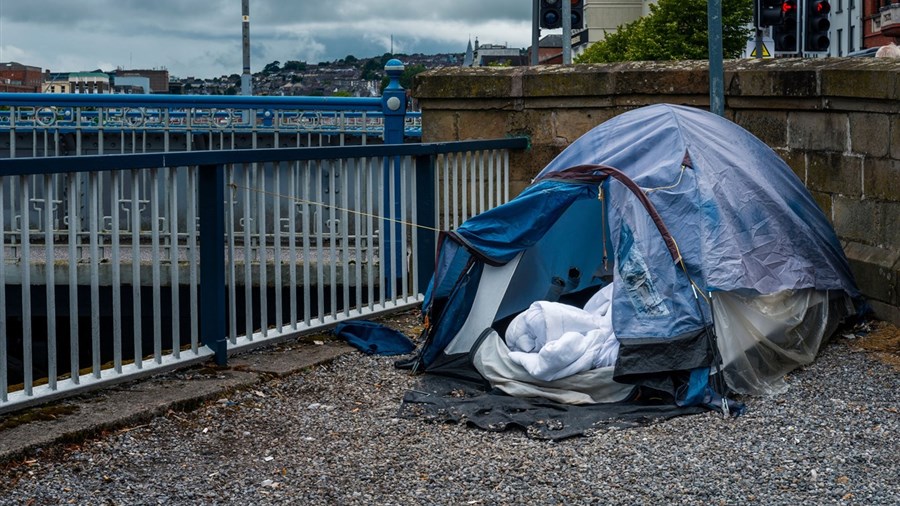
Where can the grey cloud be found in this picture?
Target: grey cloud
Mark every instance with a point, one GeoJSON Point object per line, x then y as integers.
{"type": "Point", "coordinates": [181, 34]}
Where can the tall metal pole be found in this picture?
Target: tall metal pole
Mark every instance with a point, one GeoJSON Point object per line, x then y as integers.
{"type": "Point", "coordinates": [535, 31]}
{"type": "Point", "coordinates": [245, 21]}
{"type": "Point", "coordinates": [757, 44]}
{"type": "Point", "coordinates": [567, 32]}
{"type": "Point", "coordinates": [716, 67]}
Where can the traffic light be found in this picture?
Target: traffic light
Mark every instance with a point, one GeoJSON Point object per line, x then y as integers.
{"type": "Point", "coordinates": [551, 14]}
{"type": "Point", "coordinates": [577, 14]}
{"type": "Point", "coordinates": [785, 34]}
{"type": "Point", "coordinates": [770, 13]}
{"type": "Point", "coordinates": [816, 26]}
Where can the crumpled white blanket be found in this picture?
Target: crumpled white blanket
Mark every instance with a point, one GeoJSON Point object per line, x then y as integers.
{"type": "Point", "coordinates": [551, 340]}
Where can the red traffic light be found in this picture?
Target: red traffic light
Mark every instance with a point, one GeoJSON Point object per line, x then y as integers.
{"type": "Point", "coordinates": [816, 26]}
{"type": "Point", "coordinates": [788, 7]}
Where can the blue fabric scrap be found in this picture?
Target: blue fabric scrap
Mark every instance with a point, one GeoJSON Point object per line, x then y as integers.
{"type": "Point", "coordinates": [374, 338]}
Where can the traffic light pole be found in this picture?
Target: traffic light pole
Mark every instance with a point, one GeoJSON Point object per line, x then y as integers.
{"type": "Point", "coordinates": [716, 67]}
{"type": "Point", "coordinates": [757, 44]}
{"type": "Point", "coordinates": [535, 31]}
{"type": "Point", "coordinates": [567, 32]}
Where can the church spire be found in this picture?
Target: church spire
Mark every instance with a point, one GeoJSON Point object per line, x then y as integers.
{"type": "Point", "coordinates": [469, 59]}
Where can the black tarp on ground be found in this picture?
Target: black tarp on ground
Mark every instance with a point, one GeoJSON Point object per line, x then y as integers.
{"type": "Point", "coordinates": [440, 399]}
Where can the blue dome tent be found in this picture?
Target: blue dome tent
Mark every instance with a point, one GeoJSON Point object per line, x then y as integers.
{"type": "Point", "coordinates": [716, 267]}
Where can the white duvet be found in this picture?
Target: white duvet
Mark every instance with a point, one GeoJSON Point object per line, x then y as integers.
{"type": "Point", "coordinates": [551, 340]}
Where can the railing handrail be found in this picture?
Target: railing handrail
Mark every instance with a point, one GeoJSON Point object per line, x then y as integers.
{"type": "Point", "coordinates": [186, 101]}
{"type": "Point", "coordinates": [71, 164]}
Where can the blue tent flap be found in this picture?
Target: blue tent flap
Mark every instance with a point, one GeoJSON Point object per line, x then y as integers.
{"type": "Point", "coordinates": [499, 234]}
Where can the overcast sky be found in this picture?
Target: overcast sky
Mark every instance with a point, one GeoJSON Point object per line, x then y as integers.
{"type": "Point", "coordinates": [202, 38]}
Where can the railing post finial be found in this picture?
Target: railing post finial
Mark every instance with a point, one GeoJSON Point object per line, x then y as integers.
{"type": "Point", "coordinates": [394, 69]}
{"type": "Point", "coordinates": [393, 101]}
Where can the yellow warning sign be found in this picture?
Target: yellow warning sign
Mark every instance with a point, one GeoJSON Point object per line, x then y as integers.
{"type": "Point", "coordinates": [765, 52]}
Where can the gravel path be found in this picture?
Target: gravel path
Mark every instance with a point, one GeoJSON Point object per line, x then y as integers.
{"type": "Point", "coordinates": [330, 436]}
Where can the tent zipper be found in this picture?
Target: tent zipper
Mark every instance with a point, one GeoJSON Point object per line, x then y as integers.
{"type": "Point", "coordinates": [603, 226]}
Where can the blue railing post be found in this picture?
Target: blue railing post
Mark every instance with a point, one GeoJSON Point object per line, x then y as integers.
{"type": "Point", "coordinates": [425, 211]}
{"type": "Point", "coordinates": [211, 204]}
{"type": "Point", "coordinates": [393, 101]}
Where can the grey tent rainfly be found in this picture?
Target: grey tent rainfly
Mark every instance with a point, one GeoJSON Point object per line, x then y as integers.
{"type": "Point", "coordinates": [667, 255]}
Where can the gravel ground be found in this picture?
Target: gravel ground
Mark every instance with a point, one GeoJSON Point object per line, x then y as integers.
{"type": "Point", "coordinates": [331, 436]}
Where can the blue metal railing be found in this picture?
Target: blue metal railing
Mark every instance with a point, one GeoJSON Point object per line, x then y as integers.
{"type": "Point", "coordinates": [26, 112]}
{"type": "Point", "coordinates": [38, 124]}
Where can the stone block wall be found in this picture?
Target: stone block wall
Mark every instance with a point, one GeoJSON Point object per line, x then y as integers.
{"type": "Point", "coordinates": [835, 121]}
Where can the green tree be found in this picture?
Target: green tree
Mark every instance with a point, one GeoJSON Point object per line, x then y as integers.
{"type": "Point", "coordinates": [272, 67]}
{"type": "Point", "coordinates": [371, 70]}
{"type": "Point", "coordinates": [294, 65]}
{"type": "Point", "coordinates": [406, 79]}
{"type": "Point", "coordinates": [674, 30]}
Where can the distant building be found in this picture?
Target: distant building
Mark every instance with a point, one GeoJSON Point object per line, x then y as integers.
{"type": "Point", "coordinates": [550, 47]}
{"type": "Point", "coordinates": [495, 54]}
{"type": "Point", "coordinates": [291, 89]}
{"type": "Point", "coordinates": [159, 78]}
{"type": "Point", "coordinates": [881, 22]}
{"type": "Point", "coordinates": [55, 82]}
{"type": "Point", "coordinates": [131, 84]}
{"type": "Point", "coordinates": [18, 78]}
{"type": "Point", "coordinates": [846, 31]}
{"type": "Point", "coordinates": [469, 58]}
{"type": "Point", "coordinates": [603, 17]}
{"type": "Point", "coordinates": [89, 82]}
{"type": "Point", "coordinates": [56, 87]}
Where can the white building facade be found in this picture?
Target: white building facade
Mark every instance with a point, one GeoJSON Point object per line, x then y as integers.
{"type": "Point", "coordinates": [846, 27]}
{"type": "Point", "coordinates": [602, 17]}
